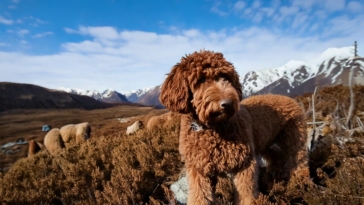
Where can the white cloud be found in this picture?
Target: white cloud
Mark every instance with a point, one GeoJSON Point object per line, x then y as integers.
{"type": "Point", "coordinates": [334, 5]}
{"type": "Point", "coordinates": [275, 3]}
{"type": "Point", "coordinates": [314, 27]}
{"type": "Point", "coordinates": [268, 11]}
{"type": "Point", "coordinates": [239, 5]}
{"type": "Point", "coordinates": [22, 32]}
{"type": "Point", "coordinates": [16, 1]}
{"type": "Point", "coordinates": [40, 35]}
{"type": "Point", "coordinates": [191, 33]}
{"type": "Point", "coordinates": [216, 9]}
{"type": "Point", "coordinates": [34, 21]}
{"type": "Point", "coordinates": [299, 20]}
{"type": "Point", "coordinates": [6, 21]}
{"type": "Point", "coordinates": [104, 32]}
{"type": "Point", "coordinates": [38, 21]}
{"type": "Point", "coordinates": [248, 11]}
{"type": "Point", "coordinates": [136, 59]}
{"type": "Point", "coordinates": [344, 25]}
{"type": "Point", "coordinates": [304, 4]}
{"type": "Point", "coordinates": [320, 14]}
{"type": "Point", "coordinates": [258, 17]}
{"type": "Point", "coordinates": [256, 4]}
{"type": "Point", "coordinates": [355, 6]}
{"type": "Point", "coordinates": [286, 11]}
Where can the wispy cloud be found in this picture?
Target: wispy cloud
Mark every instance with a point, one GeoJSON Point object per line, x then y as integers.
{"type": "Point", "coordinates": [355, 6]}
{"type": "Point", "coordinates": [344, 25]}
{"type": "Point", "coordinates": [304, 4]}
{"type": "Point", "coordinates": [267, 34]}
{"type": "Point", "coordinates": [19, 32]}
{"type": "Point", "coordinates": [104, 32]}
{"type": "Point", "coordinates": [40, 35]}
{"type": "Point", "coordinates": [334, 5]}
{"type": "Point", "coordinates": [115, 58]}
{"type": "Point", "coordinates": [22, 32]}
{"type": "Point", "coordinates": [239, 5]}
{"type": "Point", "coordinates": [6, 21]}
{"type": "Point", "coordinates": [216, 8]}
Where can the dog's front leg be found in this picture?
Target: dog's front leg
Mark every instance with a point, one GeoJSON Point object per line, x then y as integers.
{"type": "Point", "coordinates": [199, 188]}
{"type": "Point", "coordinates": [246, 184]}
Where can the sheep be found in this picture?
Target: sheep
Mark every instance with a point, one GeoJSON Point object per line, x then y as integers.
{"type": "Point", "coordinates": [53, 142]}
{"type": "Point", "coordinates": [161, 120]}
{"type": "Point", "coordinates": [34, 147]}
{"type": "Point", "coordinates": [78, 132]}
{"type": "Point", "coordinates": [137, 125]}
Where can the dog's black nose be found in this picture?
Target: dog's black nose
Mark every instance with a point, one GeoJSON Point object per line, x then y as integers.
{"type": "Point", "coordinates": [225, 103]}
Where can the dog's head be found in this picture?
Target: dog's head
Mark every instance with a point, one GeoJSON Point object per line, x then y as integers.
{"type": "Point", "coordinates": [204, 84]}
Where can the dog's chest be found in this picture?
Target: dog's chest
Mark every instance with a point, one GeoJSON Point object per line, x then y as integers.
{"type": "Point", "coordinates": [211, 151]}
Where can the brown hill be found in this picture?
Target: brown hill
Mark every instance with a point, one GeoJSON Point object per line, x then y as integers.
{"type": "Point", "coordinates": [27, 96]}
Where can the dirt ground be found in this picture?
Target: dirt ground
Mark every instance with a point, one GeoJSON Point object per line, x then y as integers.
{"type": "Point", "coordinates": [27, 125]}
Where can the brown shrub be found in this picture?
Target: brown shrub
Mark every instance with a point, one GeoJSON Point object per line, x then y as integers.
{"type": "Point", "coordinates": [139, 169]}
{"type": "Point", "coordinates": [104, 170]}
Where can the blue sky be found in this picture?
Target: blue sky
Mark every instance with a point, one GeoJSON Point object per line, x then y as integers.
{"type": "Point", "coordinates": [127, 45]}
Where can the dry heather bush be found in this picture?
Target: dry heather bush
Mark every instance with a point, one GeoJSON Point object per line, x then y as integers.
{"type": "Point", "coordinates": [139, 170]}
{"type": "Point", "coordinates": [329, 97]}
{"type": "Point", "coordinates": [104, 170]}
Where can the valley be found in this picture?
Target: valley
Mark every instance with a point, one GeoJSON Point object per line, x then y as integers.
{"type": "Point", "coordinates": [27, 124]}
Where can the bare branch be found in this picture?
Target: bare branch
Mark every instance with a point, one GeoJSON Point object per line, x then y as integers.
{"type": "Point", "coordinates": [352, 104]}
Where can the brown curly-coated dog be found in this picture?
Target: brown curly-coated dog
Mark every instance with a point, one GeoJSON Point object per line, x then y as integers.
{"type": "Point", "coordinates": [221, 134]}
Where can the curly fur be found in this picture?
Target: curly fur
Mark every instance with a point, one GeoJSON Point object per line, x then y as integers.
{"type": "Point", "coordinates": [78, 132]}
{"type": "Point", "coordinates": [137, 125]}
{"type": "Point", "coordinates": [161, 120]}
{"type": "Point", "coordinates": [53, 142]}
{"type": "Point", "coordinates": [221, 134]}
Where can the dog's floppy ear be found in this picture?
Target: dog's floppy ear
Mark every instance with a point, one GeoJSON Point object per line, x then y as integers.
{"type": "Point", "coordinates": [175, 93]}
{"type": "Point", "coordinates": [237, 85]}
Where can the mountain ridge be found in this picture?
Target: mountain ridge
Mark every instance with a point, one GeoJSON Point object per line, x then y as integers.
{"type": "Point", "coordinates": [28, 96]}
{"type": "Point", "coordinates": [332, 67]}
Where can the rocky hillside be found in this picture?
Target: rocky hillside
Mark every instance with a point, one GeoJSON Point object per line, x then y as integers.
{"type": "Point", "coordinates": [333, 67]}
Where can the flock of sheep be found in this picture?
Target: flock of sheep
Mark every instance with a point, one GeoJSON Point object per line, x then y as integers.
{"type": "Point", "coordinates": [58, 138]}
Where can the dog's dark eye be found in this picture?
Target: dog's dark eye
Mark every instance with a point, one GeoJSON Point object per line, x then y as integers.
{"type": "Point", "coordinates": [223, 78]}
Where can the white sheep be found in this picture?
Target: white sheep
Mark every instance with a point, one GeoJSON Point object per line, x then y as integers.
{"type": "Point", "coordinates": [79, 132]}
{"type": "Point", "coordinates": [137, 125]}
{"type": "Point", "coordinates": [53, 142]}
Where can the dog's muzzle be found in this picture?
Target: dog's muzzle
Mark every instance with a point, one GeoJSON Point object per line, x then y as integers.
{"type": "Point", "coordinates": [226, 103]}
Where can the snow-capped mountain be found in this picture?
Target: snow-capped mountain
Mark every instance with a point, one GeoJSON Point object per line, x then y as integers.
{"type": "Point", "coordinates": [135, 95]}
{"type": "Point", "coordinates": [145, 96]}
{"type": "Point", "coordinates": [91, 93]}
{"type": "Point", "coordinates": [329, 64]}
{"type": "Point", "coordinates": [109, 95]}
{"type": "Point", "coordinates": [332, 67]}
